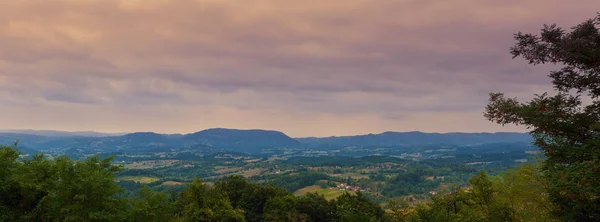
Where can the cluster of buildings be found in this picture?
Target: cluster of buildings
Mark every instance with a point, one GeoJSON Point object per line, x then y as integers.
{"type": "Point", "coordinates": [344, 186]}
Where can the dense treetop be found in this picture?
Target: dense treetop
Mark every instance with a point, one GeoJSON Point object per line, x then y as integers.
{"type": "Point", "coordinates": [566, 125]}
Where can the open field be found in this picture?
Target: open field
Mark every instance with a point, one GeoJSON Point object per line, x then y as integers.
{"type": "Point", "coordinates": [329, 193]}
{"type": "Point", "coordinates": [306, 190]}
{"type": "Point", "coordinates": [273, 158]}
{"type": "Point", "coordinates": [171, 183]}
{"type": "Point", "coordinates": [149, 164]}
{"type": "Point", "coordinates": [353, 175]}
{"type": "Point", "coordinates": [252, 172]}
{"type": "Point", "coordinates": [253, 160]}
{"type": "Point", "coordinates": [139, 179]}
{"type": "Point", "coordinates": [227, 170]}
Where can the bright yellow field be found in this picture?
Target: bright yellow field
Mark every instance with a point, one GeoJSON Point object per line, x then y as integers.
{"type": "Point", "coordinates": [306, 190]}
{"type": "Point", "coordinates": [139, 179]}
{"type": "Point", "coordinates": [171, 183]}
{"type": "Point", "coordinates": [329, 193]}
{"type": "Point", "coordinates": [252, 172]}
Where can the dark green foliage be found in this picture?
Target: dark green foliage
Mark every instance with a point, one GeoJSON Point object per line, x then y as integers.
{"type": "Point", "coordinates": [58, 190]}
{"type": "Point", "coordinates": [565, 126]}
{"type": "Point", "coordinates": [271, 203]}
{"type": "Point", "coordinates": [246, 196]}
{"type": "Point", "coordinates": [82, 191]}
{"type": "Point", "coordinates": [236, 188]}
{"type": "Point", "coordinates": [199, 203]}
{"type": "Point", "coordinates": [297, 181]}
{"type": "Point", "coordinates": [260, 203]}
{"type": "Point", "coordinates": [410, 182]}
{"type": "Point", "coordinates": [358, 208]}
{"type": "Point", "coordinates": [151, 206]}
{"type": "Point", "coordinates": [317, 208]}
{"type": "Point", "coordinates": [283, 208]}
{"type": "Point", "coordinates": [256, 200]}
{"type": "Point", "coordinates": [11, 207]}
{"type": "Point", "coordinates": [477, 204]}
{"type": "Point", "coordinates": [38, 189]}
{"type": "Point", "coordinates": [516, 195]}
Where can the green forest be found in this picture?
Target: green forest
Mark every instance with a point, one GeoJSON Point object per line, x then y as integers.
{"type": "Point", "coordinates": [562, 186]}
{"type": "Point", "coordinates": [63, 189]}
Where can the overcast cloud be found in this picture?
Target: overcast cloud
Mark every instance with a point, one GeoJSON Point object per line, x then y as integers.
{"type": "Point", "coordinates": [307, 68]}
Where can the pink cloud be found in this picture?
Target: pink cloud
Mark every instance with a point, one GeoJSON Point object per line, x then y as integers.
{"type": "Point", "coordinates": [381, 64]}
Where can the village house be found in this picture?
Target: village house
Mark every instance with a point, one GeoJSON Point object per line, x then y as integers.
{"type": "Point", "coordinates": [348, 187]}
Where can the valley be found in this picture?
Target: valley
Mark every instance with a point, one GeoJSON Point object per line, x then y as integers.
{"type": "Point", "coordinates": [384, 166]}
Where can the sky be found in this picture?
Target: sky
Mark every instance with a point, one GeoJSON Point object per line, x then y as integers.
{"type": "Point", "coordinates": [307, 68]}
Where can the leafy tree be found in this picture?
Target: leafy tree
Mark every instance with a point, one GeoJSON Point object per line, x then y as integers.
{"type": "Point", "coordinates": [58, 190]}
{"type": "Point", "coordinates": [358, 208]}
{"type": "Point", "coordinates": [283, 208]}
{"type": "Point", "coordinates": [39, 189]}
{"type": "Point", "coordinates": [248, 197]}
{"type": "Point", "coordinates": [235, 187]}
{"type": "Point", "coordinates": [484, 200]}
{"type": "Point", "coordinates": [36, 179]}
{"type": "Point", "coordinates": [296, 181]}
{"type": "Point", "coordinates": [478, 203]}
{"type": "Point", "coordinates": [566, 126]}
{"type": "Point", "coordinates": [317, 208]}
{"type": "Point", "coordinates": [454, 206]}
{"type": "Point", "coordinates": [255, 200]}
{"type": "Point", "coordinates": [10, 201]}
{"type": "Point", "coordinates": [524, 190]}
{"type": "Point", "coordinates": [82, 191]}
{"type": "Point", "coordinates": [401, 211]}
{"type": "Point", "coordinates": [198, 203]}
{"type": "Point", "coordinates": [151, 206]}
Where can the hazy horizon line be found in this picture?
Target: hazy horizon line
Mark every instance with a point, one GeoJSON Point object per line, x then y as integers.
{"type": "Point", "coordinates": [184, 133]}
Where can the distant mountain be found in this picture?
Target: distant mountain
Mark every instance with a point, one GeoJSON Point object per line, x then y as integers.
{"type": "Point", "coordinates": [225, 139]}
{"type": "Point", "coordinates": [248, 141]}
{"type": "Point", "coordinates": [26, 140]}
{"type": "Point", "coordinates": [54, 133]}
{"type": "Point", "coordinates": [143, 137]}
{"type": "Point", "coordinates": [241, 140]}
{"type": "Point", "coordinates": [417, 138]}
{"type": "Point", "coordinates": [27, 150]}
{"type": "Point", "coordinates": [134, 142]}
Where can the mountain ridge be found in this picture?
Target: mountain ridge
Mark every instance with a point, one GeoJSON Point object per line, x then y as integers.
{"type": "Point", "coordinates": [251, 140]}
{"type": "Point", "coordinates": [227, 139]}
{"type": "Point", "coordinates": [56, 133]}
{"type": "Point", "coordinates": [59, 133]}
{"type": "Point", "coordinates": [390, 138]}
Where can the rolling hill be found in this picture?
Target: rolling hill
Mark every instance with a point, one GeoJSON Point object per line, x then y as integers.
{"type": "Point", "coordinates": [249, 141]}
{"type": "Point", "coordinates": [417, 138]}
{"type": "Point", "coordinates": [227, 139]}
